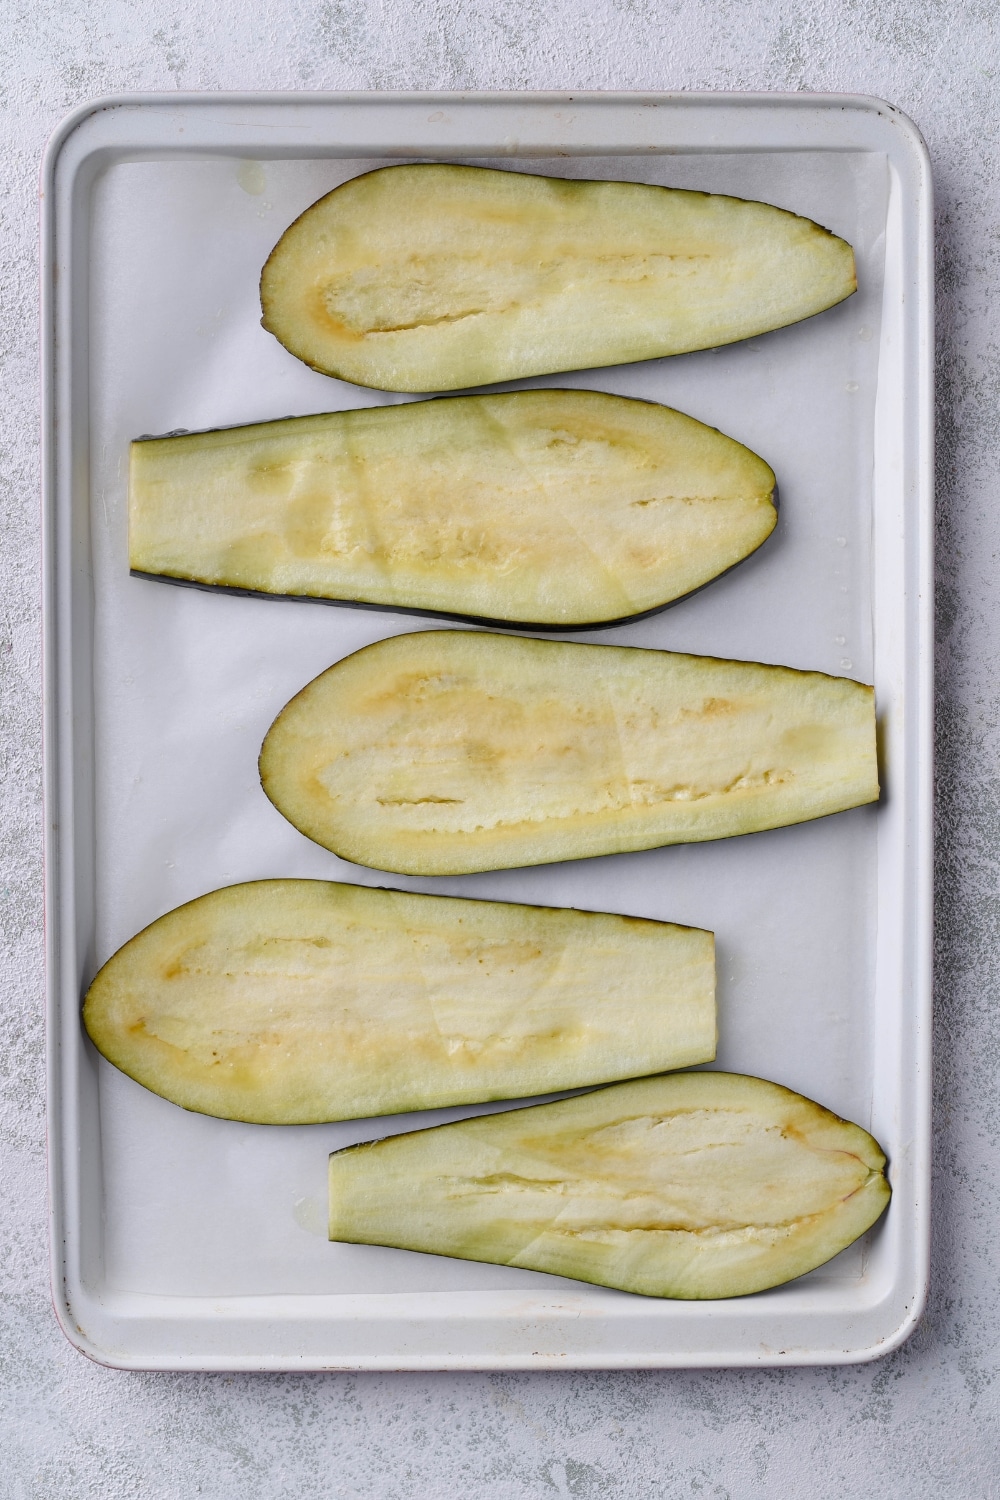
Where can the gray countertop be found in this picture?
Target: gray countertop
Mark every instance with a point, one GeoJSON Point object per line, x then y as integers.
{"type": "Point", "coordinates": [923, 1421]}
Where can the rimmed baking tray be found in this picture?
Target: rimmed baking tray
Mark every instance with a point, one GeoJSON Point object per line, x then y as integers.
{"type": "Point", "coordinates": [186, 1242]}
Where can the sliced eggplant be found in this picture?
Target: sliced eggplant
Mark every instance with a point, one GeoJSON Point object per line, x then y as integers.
{"type": "Point", "coordinates": [296, 1001]}
{"type": "Point", "coordinates": [446, 752]}
{"type": "Point", "coordinates": [696, 1185]}
{"type": "Point", "coordinates": [554, 508]}
{"type": "Point", "coordinates": [434, 277]}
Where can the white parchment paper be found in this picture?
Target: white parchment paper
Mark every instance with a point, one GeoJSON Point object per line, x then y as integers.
{"type": "Point", "coordinates": [187, 683]}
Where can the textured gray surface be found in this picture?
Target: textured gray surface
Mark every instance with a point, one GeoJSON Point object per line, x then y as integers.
{"type": "Point", "coordinates": [923, 1422]}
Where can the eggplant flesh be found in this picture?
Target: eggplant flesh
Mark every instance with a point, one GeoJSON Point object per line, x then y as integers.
{"type": "Point", "coordinates": [554, 508]}
{"type": "Point", "coordinates": [299, 1001]}
{"type": "Point", "coordinates": [435, 277]}
{"type": "Point", "coordinates": [448, 752]}
{"type": "Point", "coordinates": [696, 1185]}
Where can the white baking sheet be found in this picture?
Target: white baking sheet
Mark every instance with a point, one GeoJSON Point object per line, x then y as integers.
{"type": "Point", "coordinates": [185, 683]}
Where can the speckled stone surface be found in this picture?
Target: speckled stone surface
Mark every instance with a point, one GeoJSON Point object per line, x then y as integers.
{"type": "Point", "coordinates": [924, 1421]}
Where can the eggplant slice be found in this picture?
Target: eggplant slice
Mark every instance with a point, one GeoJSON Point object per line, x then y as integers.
{"type": "Point", "coordinates": [552, 508]}
{"type": "Point", "coordinates": [436, 277]}
{"type": "Point", "coordinates": [696, 1185]}
{"type": "Point", "coordinates": [447, 752]}
{"type": "Point", "coordinates": [297, 1001]}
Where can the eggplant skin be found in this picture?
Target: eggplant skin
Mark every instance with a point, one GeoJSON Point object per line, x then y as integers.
{"type": "Point", "coordinates": [449, 752]}
{"type": "Point", "coordinates": [288, 1002]}
{"type": "Point", "coordinates": [696, 1185]}
{"type": "Point", "coordinates": [554, 508]}
{"type": "Point", "coordinates": [437, 277]}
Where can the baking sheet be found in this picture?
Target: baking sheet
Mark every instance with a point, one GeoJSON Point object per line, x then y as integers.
{"type": "Point", "coordinates": [185, 683]}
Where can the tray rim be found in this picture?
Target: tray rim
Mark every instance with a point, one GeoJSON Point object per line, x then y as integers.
{"type": "Point", "coordinates": [72, 1302]}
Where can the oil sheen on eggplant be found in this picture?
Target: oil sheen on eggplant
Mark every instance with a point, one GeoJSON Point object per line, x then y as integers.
{"type": "Point", "coordinates": [695, 1185]}
{"type": "Point", "coordinates": [298, 1001]}
{"type": "Point", "coordinates": [437, 277]}
{"type": "Point", "coordinates": [447, 752]}
{"type": "Point", "coordinates": [553, 508]}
